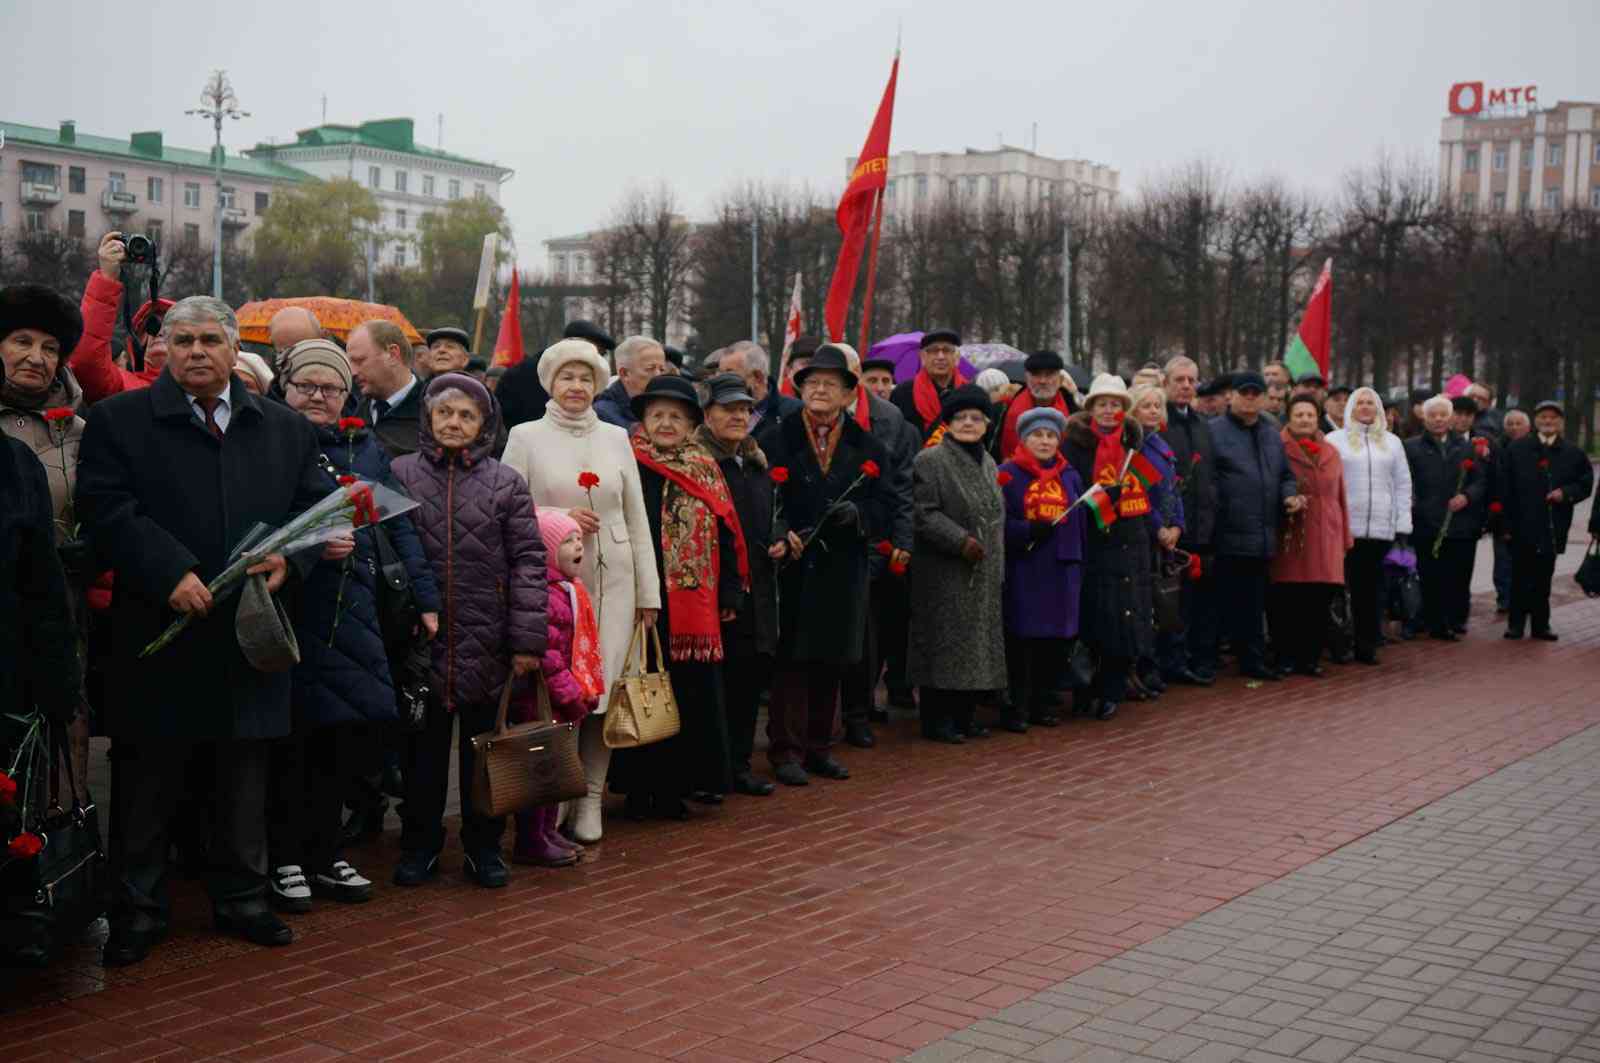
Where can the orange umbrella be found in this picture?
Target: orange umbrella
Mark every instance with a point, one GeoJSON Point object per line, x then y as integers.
{"type": "Point", "coordinates": [338, 316]}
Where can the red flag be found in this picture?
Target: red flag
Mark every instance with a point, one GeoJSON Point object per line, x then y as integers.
{"type": "Point", "coordinates": [508, 344]}
{"type": "Point", "coordinates": [855, 208]}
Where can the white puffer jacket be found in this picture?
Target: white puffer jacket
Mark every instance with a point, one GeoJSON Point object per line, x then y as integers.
{"type": "Point", "coordinates": [1377, 478]}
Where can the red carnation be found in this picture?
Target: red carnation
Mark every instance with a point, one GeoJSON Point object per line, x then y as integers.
{"type": "Point", "coordinates": [1481, 445]}
{"type": "Point", "coordinates": [351, 424]}
{"type": "Point", "coordinates": [1309, 446]}
{"type": "Point", "coordinates": [346, 480]}
{"type": "Point", "coordinates": [870, 470]}
{"type": "Point", "coordinates": [25, 846]}
{"type": "Point", "coordinates": [1544, 463]}
{"type": "Point", "coordinates": [1466, 464]}
{"type": "Point", "coordinates": [885, 547]}
{"type": "Point", "coordinates": [1495, 507]}
{"type": "Point", "coordinates": [1195, 457]}
{"type": "Point", "coordinates": [1002, 478]}
{"type": "Point", "coordinates": [8, 787]}
{"type": "Point", "coordinates": [897, 568]}
{"type": "Point", "coordinates": [779, 474]}
{"type": "Point", "coordinates": [587, 480]}
{"type": "Point", "coordinates": [1195, 571]}
{"type": "Point", "coordinates": [59, 413]}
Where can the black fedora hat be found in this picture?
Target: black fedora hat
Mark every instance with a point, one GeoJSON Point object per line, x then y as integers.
{"type": "Point", "coordinates": [667, 386]}
{"type": "Point", "coordinates": [832, 359]}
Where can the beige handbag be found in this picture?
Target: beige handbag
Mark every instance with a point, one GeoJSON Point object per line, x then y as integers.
{"type": "Point", "coordinates": [642, 709]}
{"type": "Point", "coordinates": [527, 764]}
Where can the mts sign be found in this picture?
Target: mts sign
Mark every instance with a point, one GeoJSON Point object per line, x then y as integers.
{"type": "Point", "coordinates": [1468, 97]}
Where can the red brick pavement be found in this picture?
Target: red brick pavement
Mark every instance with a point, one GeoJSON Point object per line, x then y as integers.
{"type": "Point", "coordinates": [847, 921]}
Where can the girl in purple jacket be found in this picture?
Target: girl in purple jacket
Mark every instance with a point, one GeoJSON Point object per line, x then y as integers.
{"type": "Point", "coordinates": [572, 674]}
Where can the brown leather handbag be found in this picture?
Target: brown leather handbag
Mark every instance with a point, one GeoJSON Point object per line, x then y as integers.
{"type": "Point", "coordinates": [642, 708]}
{"type": "Point", "coordinates": [528, 764]}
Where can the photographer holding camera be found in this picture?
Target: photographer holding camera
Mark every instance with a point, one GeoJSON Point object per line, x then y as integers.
{"type": "Point", "coordinates": [92, 361]}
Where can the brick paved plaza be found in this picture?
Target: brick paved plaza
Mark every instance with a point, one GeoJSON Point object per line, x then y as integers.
{"type": "Point", "coordinates": [1386, 865]}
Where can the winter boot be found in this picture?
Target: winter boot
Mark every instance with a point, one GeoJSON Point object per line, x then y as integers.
{"type": "Point", "coordinates": [596, 755]}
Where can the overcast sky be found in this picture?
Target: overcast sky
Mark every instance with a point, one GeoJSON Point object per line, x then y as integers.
{"type": "Point", "coordinates": [584, 98]}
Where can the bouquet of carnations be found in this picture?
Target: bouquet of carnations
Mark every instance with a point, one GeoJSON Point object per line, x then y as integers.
{"type": "Point", "coordinates": [353, 505]}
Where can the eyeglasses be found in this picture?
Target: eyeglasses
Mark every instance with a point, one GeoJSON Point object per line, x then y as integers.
{"type": "Point", "coordinates": [326, 391]}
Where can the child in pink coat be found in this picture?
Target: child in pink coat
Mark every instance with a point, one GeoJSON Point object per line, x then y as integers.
{"type": "Point", "coordinates": [572, 673]}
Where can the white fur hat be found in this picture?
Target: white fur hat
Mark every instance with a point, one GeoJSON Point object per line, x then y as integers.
{"type": "Point", "coordinates": [562, 352]}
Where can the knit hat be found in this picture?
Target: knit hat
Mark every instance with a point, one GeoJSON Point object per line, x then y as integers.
{"type": "Point", "coordinates": [321, 352]}
{"type": "Point", "coordinates": [1041, 417]}
{"type": "Point", "coordinates": [554, 527]}
{"type": "Point", "coordinates": [565, 352]}
{"type": "Point", "coordinates": [965, 397]}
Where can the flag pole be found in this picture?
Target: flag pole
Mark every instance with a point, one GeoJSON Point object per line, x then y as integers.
{"type": "Point", "coordinates": [872, 272]}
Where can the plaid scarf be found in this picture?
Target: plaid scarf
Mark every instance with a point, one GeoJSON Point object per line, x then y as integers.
{"type": "Point", "coordinates": [694, 499]}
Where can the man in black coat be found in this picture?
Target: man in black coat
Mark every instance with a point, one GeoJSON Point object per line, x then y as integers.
{"type": "Point", "coordinates": [391, 394]}
{"type": "Point", "coordinates": [1448, 492]}
{"type": "Point", "coordinates": [170, 477]}
{"type": "Point", "coordinates": [1254, 486]}
{"type": "Point", "coordinates": [1190, 655]}
{"type": "Point", "coordinates": [1542, 477]}
{"type": "Point", "coordinates": [824, 588]}
{"type": "Point", "coordinates": [900, 440]}
{"type": "Point", "coordinates": [919, 398]}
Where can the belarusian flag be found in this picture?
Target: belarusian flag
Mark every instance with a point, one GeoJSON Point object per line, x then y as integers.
{"type": "Point", "coordinates": [1101, 508]}
{"type": "Point", "coordinates": [1144, 470]}
{"type": "Point", "coordinates": [1309, 351]}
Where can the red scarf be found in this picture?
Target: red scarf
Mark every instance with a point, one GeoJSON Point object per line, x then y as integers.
{"type": "Point", "coordinates": [1009, 440]}
{"type": "Point", "coordinates": [587, 667]}
{"type": "Point", "coordinates": [1109, 455]}
{"type": "Point", "coordinates": [689, 549]}
{"type": "Point", "coordinates": [925, 395]}
{"type": "Point", "coordinates": [1044, 498]}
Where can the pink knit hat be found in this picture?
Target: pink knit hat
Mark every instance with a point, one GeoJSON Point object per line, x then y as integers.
{"type": "Point", "coordinates": [554, 527]}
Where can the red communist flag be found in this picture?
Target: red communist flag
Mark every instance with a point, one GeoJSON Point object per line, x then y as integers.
{"type": "Point", "coordinates": [508, 344]}
{"type": "Point", "coordinates": [855, 208]}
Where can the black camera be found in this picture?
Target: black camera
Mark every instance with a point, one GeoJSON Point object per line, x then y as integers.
{"type": "Point", "coordinates": [142, 250]}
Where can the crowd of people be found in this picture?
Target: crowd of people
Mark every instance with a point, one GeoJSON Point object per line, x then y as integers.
{"type": "Point", "coordinates": [990, 553]}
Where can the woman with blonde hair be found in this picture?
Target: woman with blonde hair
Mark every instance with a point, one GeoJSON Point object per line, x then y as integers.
{"type": "Point", "coordinates": [1377, 484]}
{"type": "Point", "coordinates": [575, 462]}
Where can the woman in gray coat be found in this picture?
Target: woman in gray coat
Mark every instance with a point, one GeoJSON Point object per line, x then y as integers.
{"type": "Point", "coordinates": [957, 635]}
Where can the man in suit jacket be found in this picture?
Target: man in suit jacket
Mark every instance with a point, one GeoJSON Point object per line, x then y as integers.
{"type": "Point", "coordinates": [170, 477]}
{"type": "Point", "coordinates": [391, 395]}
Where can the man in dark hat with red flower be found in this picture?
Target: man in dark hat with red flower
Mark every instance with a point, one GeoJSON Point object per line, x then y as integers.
{"type": "Point", "coordinates": [1542, 477]}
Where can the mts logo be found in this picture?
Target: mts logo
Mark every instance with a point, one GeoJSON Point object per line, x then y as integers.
{"type": "Point", "coordinates": [1468, 97]}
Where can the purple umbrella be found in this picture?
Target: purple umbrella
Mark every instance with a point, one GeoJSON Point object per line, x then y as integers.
{"type": "Point", "coordinates": [905, 349]}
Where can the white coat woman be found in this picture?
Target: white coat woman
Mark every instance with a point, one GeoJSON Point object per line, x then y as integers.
{"type": "Point", "coordinates": [1377, 486]}
{"type": "Point", "coordinates": [553, 454]}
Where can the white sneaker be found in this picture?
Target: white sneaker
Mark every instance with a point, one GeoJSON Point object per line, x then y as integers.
{"type": "Point", "coordinates": [290, 891]}
{"type": "Point", "coordinates": [343, 883]}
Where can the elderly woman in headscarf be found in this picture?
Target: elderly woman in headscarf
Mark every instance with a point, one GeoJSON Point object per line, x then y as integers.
{"type": "Point", "coordinates": [1116, 608]}
{"type": "Point", "coordinates": [957, 649]}
{"type": "Point", "coordinates": [701, 556]}
{"type": "Point", "coordinates": [1377, 484]}
{"type": "Point", "coordinates": [481, 534]}
{"type": "Point", "coordinates": [575, 462]}
{"type": "Point", "coordinates": [343, 681]}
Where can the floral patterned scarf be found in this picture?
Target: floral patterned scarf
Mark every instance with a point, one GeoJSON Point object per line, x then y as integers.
{"type": "Point", "coordinates": [694, 499]}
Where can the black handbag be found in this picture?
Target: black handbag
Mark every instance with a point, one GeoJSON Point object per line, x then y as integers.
{"type": "Point", "coordinates": [1407, 597]}
{"type": "Point", "coordinates": [1166, 593]}
{"type": "Point", "coordinates": [398, 615]}
{"type": "Point", "coordinates": [1079, 665]}
{"type": "Point", "coordinates": [48, 899]}
{"type": "Point", "coordinates": [1588, 574]}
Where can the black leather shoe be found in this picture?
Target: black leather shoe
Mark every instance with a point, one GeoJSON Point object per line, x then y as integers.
{"type": "Point", "coordinates": [859, 735]}
{"type": "Point", "coordinates": [1105, 709]}
{"type": "Point", "coordinates": [1270, 675]}
{"type": "Point", "coordinates": [947, 734]}
{"type": "Point", "coordinates": [130, 943]}
{"type": "Point", "coordinates": [975, 730]}
{"type": "Point", "coordinates": [792, 774]}
{"type": "Point", "coordinates": [1045, 719]}
{"type": "Point", "coordinates": [1512, 633]}
{"type": "Point", "coordinates": [706, 797]}
{"type": "Point", "coordinates": [827, 767]}
{"type": "Point", "coordinates": [750, 786]}
{"type": "Point", "coordinates": [1155, 684]}
{"type": "Point", "coordinates": [1189, 677]}
{"type": "Point", "coordinates": [488, 869]}
{"type": "Point", "coordinates": [365, 823]}
{"type": "Point", "coordinates": [1015, 724]}
{"type": "Point", "coordinates": [259, 927]}
{"type": "Point", "coordinates": [1546, 635]}
{"type": "Point", "coordinates": [415, 868]}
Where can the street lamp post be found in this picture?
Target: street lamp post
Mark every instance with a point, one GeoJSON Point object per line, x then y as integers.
{"type": "Point", "coordinates": [217, 102]}
{"type": "Point", "coordinates": [1066, 267]}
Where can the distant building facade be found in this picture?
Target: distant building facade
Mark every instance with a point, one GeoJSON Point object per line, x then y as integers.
{"type": "Point", "coordinates": [409, 180]}
{"type": "Point", "coordinates": [919, 180]}
{"type": "Point", "coordinates": [575, 262]}
{"type": "Point", "coordinates": [1500, 159]}
{"type": "Point", "coordinates": [84, 186]}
